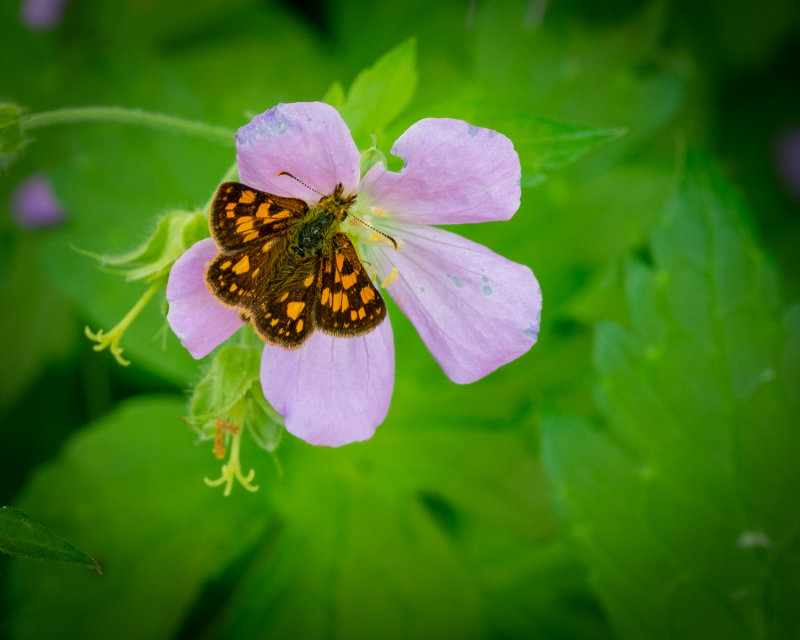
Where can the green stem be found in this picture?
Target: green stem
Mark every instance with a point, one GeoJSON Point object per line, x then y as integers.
{"type": "Point", "coordinates": [123, 115]}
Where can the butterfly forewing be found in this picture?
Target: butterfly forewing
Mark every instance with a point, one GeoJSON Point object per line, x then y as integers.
{"type": "Point", "coordinates": [349, 304]}
{"type": "Point", "coordinates": [242, 216]}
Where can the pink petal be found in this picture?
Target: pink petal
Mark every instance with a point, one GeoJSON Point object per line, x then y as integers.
{"type": "Point", "coordinates": [454, 172]}
{"type": "Point", "coordinates": [474, 309]}
{"type": "Point", "coordinates": [309, 140]}
{"type": "Point", "coordinates": [197, 318]}
{"type": "Point", "coordinates": [332, 391]}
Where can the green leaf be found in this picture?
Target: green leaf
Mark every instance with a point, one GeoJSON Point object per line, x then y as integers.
{"type": "Point", "coordinates": [682, 507]}
{"type": "Point", "coordinates": [11, 138]}
{"type": "Point", "coordinates": [544, 145]}
{"type": "Point", "coordinates": [379, 94]}
{"type": "Point", "coordinates": [22, 537]}
{"type": "Point", "coordinates": [175, 232]}
{"type": "Point", "coordinates": [130, 486]}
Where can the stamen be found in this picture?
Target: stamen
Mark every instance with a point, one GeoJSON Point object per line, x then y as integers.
{"type": "Point", "coordinates": [390, 278]}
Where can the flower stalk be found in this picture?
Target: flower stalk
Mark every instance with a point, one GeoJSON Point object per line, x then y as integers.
{"type": "Point", "coordinates": [111, 339]}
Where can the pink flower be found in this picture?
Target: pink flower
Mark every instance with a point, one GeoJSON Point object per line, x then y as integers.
{"type": "Point", "coordinates": [42, 15]}
{"type": "Point", "coordinates": [474, 309]}
{"type": "Point", "coordinates": [34, 205]}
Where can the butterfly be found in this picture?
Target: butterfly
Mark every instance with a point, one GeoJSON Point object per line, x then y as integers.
{"type": "Point", "coordinates": [288, 268]}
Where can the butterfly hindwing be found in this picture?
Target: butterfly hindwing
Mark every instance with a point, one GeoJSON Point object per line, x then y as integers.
{"type": "Point", "coordinates": [349, 304]}
{"type": "Point", "coordinates": [242, 216]}
{"type": "Point", "coordinates": [238, 279]}
{"type": "Point", "coordinates": [284, 314]}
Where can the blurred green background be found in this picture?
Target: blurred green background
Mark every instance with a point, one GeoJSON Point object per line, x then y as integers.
{"type": "Point", "coordinates": [633, 476]}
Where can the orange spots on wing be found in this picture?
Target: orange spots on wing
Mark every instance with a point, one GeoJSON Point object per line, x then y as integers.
{"type": "Point", "coordinates": [265, 247]}
{"type": "Point", "coordinates": [337, 301]}
{"type": "Point", "coordinates": [273, 322]}
{"type": "Point", "coordinates": [325, 295]}
{"type": "Point", "coordinates": [247, 197]}
{"type": "Point", "coordinates": [243, 266]}
{"type": "Point", "coordinates": [299, 326]}
{"type": "Point", "coordinates": [250, 236]}
{"type": "Point", "coordinates": [367, 294]}
{"type": "Point", "coordinates": [308, 281]}
{"type": "Point", "coordinates": [226, 265]}
{"type": "Point", "coordinates": [233, 288]}
{"type": "Point", "coordinates": [263, 210]}
{"type": "Point", "coordinates": [282, 214]}
{"type": "Point", "coordinates": [293, 309]}
{"type": "Point", "coordinates": [345, 303]}
{"type": "Point", "coordinates": [349, 280]}
{"type": "Point", "coordinates": [362, 313]}
{"type": "Point", "coordinates": [353, 315]}
{"type": "Point", "coordinates": [284, 296]}
{"type": "Point", "coordinates": [339, 261]}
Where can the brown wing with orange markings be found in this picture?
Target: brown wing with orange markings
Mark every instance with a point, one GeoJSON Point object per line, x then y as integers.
{"type": "Point", "coordinates": [348, 304]}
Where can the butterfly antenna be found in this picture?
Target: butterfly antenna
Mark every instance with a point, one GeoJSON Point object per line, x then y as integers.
{"type": "Point", "coordinates": [286, 173]}
{"type": "Point", "coordinates": [366, 224]}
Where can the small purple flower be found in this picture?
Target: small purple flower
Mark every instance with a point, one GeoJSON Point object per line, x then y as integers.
{"type": "Point", "coordinates": [34, 204]}
{"type": "Point", "coordinates": [474, 309]}
{"type": "Point", "coordinates": [41, 15]}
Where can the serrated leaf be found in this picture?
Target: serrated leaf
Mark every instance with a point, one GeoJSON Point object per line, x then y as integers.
{"type": "Point", "coordinates": [677, 508]}
{"type": "Point", "coordinates": [379, 94]}
{"type": "Point", "coordinates": [544, 145]}
{"type": "Point", "coordinates": [22, 537]}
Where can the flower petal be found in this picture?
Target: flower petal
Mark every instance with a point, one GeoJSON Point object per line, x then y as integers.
{"type": "Point", "coordinates": [309, 140]}
{"type": "Point", "coordinates": [474, 309]}
{"type": "Point", "coordinates": [332, 391]}
{"type": "Point", "coordinates": [195, 315]}
{"type": "Point", "coordinates": [454, 172]}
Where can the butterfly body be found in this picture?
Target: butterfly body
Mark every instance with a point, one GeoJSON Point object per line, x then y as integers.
{"type": "Point", "coordinates": [288, 268]}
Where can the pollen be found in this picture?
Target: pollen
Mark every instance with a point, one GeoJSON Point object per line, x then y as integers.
{"type": "Point", "coordinates": [390, 278]}
{"type": "Point", "coordinates": [294, 309]}
{"type": "Point", "coordinates": [377, 211]}
{"type": "Point", "coordinates": [243, 266]}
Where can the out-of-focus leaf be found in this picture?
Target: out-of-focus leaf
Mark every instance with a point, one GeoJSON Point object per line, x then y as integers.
{"type": "Point", "coordinates": [682, 508]}
{"type": "Point", "coordinates": [22, 537]}
{"type": "Point", "coordinates": [37, 325]}
{"type": "Point", "coordinates": [380, 93]}
{"type": "Point", "coordinates": [175, 232]}
{"type": "Point", "coordinates": [544, 145]}
{"type": "Point", "coordinates": [11, 137]}
{"type": "Point", "coordinates": [130, 487]}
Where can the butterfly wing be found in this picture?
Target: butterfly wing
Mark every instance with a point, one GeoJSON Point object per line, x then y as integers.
{"type": "Point", "coordinates": [348, 304]}
{"type": "Point", "coordinates": [284, 315]}
{"type": "Point", "coordinates": [252, 231]}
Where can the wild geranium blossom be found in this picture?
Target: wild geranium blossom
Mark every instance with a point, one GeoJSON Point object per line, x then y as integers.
{"type": "Point", "coordinates": [474, 309]}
